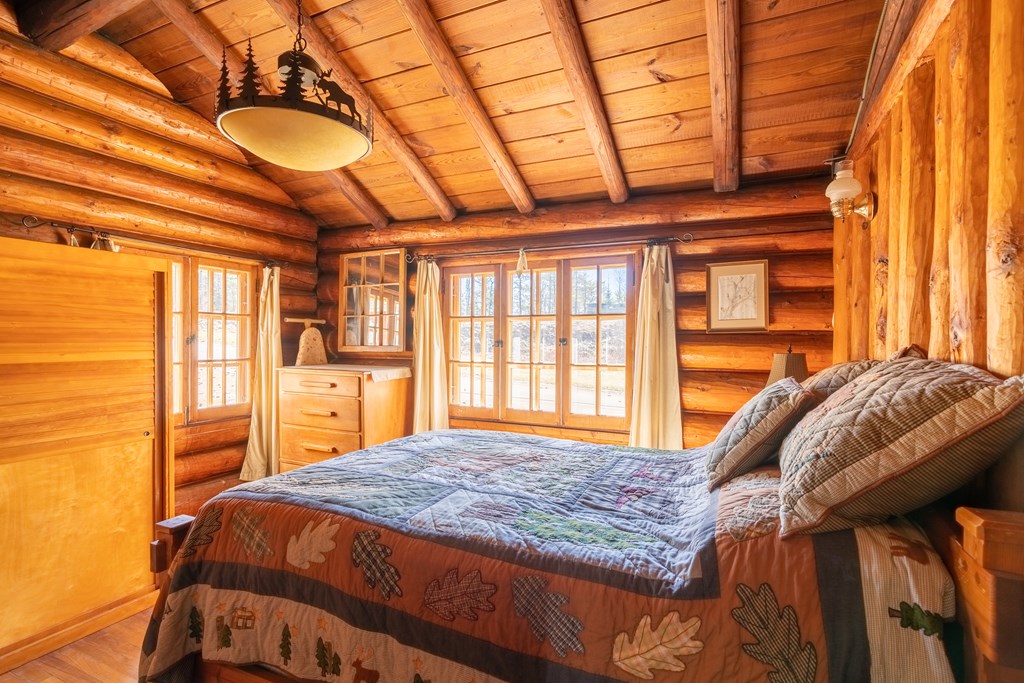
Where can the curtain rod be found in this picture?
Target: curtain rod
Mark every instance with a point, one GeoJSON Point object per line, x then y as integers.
{"type": "Point", "coordinates": [685, 239]}
{"type": "Point", "coordinates": [35, 222]}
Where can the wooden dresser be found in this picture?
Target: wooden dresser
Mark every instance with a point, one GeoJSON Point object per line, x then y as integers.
{"type": "Point", "coordinates": [329, 410]}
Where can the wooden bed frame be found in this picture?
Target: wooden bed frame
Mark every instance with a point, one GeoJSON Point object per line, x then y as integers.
{"type": "Point", "coordinates": [983, 549]}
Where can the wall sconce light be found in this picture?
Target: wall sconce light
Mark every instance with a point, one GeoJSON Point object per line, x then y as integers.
{"type": "Point", "coordinates": [843, 191]}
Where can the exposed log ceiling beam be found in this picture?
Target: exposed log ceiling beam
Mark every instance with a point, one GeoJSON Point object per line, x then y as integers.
{"type": "Point", "coordinates": [797, 198]}
{"type": "Point", "coordinates": [565, 30]}
{"type": "Point", "coordinates": [55, 24]}
{"type": "Point", "coordinates": [213, 49]}
{"type": "Point", "coordinates": [358, 197]}
{"type": "Point", "coordinates": [723, 22]}
{"type": "Point", "coordinates": [922, 33]}
{"type": "Point", "coordinates": [468, 102]}
{"type": "Point", "coordinates": [321, 49]}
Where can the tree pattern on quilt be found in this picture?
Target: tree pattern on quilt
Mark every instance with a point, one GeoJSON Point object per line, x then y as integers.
{"type": "Point", "coordinates": [658, 648]}
{"type": "Point", "coordinates": [246, 529]}
{"type": "Point", "coordinates": [777, 636]}
{"type": "Point", "coordinates": [459, 597]}
{"type": "Point", "coordinates": [543, 611]}
{"type": "Point", "coordinates": [372, 558]}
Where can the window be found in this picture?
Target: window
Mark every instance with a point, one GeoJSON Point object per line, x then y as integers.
{"type": "Point", "coordinates": [213, 337]}
{"type": "Point", "coordinates": [550, 346]}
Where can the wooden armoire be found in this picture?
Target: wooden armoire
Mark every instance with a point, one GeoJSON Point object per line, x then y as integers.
{"type": "Point", "coordinates": [85, 446]}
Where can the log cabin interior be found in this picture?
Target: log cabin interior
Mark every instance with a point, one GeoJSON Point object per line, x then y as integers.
{"type": "Point", "coordinates": [539, 153]}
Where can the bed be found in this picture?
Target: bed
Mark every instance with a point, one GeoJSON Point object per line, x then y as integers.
{"type": "Point", "coordinates": [779, 552]}
{"type": "Point", "coordinates": [471, 556]}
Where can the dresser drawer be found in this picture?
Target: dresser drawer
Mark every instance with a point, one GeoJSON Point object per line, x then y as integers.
{"type": "Point", "coordinates": [326, 412]}
{"type": "Point", "coordinates": [304, 445]}
{"type": "Point", "coordinates": [326, 383]}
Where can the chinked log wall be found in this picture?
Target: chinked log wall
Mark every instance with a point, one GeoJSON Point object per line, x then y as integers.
{"type": "Point", "coordinates": [84, 147]}
{"type": "Point", "coordinates": [942, 264]}
{"type": "Point", "coordinates": [784, 223]}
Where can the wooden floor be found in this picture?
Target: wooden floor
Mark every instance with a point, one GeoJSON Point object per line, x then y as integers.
{"type": "Point", "coordinates": [107, 656]}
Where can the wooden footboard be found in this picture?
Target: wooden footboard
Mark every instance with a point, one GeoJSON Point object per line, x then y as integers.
{"type": "Point", "coordinates": [986, 559]}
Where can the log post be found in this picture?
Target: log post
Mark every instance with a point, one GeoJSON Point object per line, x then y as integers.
{"type": "Point", "coordinates": [938, 281]}
{"type": "Point", "coordinates": [1005, 260]}
{"type": "Point", "coordinates": [892, 341]}
{"type": "Point", "coordinates": [880, 244]}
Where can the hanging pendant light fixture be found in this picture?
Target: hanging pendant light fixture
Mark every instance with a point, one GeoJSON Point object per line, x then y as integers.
{"type": "Point", "coordinates": [288, 129]}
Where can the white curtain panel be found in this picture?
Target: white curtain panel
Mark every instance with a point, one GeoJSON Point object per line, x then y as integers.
{"type": "Point", "coordinates": [430, 375]}
{"type": "Point", "coordinates": [657, 417]}
{"type": "Point", "coordinates": [264, 441]}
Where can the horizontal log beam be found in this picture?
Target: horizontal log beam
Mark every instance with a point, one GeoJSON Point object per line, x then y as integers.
{"type": "Point", "coordinates": [794, 198]}
{"type": "Point", "coordinates": [786, 272]}
{"type": "Point", "coordinates": [65, 204]}
{"type": "Point", "coordinates": [70, 165]}
{"type": "Point", "coordinates": [65, 80]}
{"type": "Point", "coordinates": [190, 497]}
{"type": "Point", "coordinates": [790, 311]}
{"type": "Point", "coordinates": [109, 57]}
{"type": "Point", "coordinates": [751, 352]}
{"type": "Point", "coordinates": [718, 392]}
{"type": "Point", "coordinates": [208, 435]}
{"type": "Point", "coordinates": [55, 24]}
{"type": "Point", "coordinates": [193, 467]}
{"type": "Point", "coordinates": [702, 428]}
{"type": "Point", "coordinates": [41, 116]}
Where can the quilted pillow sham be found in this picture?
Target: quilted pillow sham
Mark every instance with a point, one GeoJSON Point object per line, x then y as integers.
{"type": "Point", "coordinates": [893, 439]}
{"type": "Point", "coordinates": [755, 431]}
{"type": "Point", "coordinates": [826, 382]}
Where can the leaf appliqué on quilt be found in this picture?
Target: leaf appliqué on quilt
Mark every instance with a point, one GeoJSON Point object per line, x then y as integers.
{"type": "Point", "coordinates": [777, 636]}
{"type": "Point", "coordinates": [459, 597]}
{"type": "Point", "coordinates": [918, 618]}
{"type": "Point", "coordinates": [202, 531]}
{"type": "Point", "coordinates": [659, 648]}
{"type": "Point", "coordinates": [543, 611]}
{"type": "Point", "coordinates": [245, 527]}
{"type": "Point", "coordinates": [312, 544]}
{"type": "Point", "coordinates": [372, 557]}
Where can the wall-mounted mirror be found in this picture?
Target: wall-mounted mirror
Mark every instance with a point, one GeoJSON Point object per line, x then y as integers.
{"type": "Point", "coordinates": [372, 301]}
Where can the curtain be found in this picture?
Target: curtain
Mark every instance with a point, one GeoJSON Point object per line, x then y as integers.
{"type": "Point", "coordinates": [657, 418]}
{"type": "Point", "coordinates": [430, 376]}
{"type": "Point", "coordinates": [262, 451]}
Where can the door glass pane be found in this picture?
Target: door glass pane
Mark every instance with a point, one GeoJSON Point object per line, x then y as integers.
{"type": "Point", "coordinates": [488, 284]}
{"type": "Point", "coordinates": [488, 386]}
{"type": "Point", "coordinates": [477, 387]}
{"type": "Point", "coordinates": [613, 392]}
{"type": "Point", "coordinates": [478, 295]}
{"type": "Point", "coordinates": [464, 288]}
{"type": "Point", "coordinates": [547, 343]}
{"type": "Point", "coordinates": [547, 292]}
{"type": "Point", "coordinates": [519, 387]}
{"type": "Point", "coordinates": [217, 348]}
{"type": "Point", "coordinates": [613, 341]}
{"type": "Point", "coordinates": [202, 386]}
{"type": "Point", "coordinates": [217, 278]}
{"type": "Point", "coordinates": [519, 341]}
{"type": "Point", "coordinates": [478, 348]}
{"type": "Point", "coordinates": [584, 341]}
{"type": "Point", "coordinates": [613, 289]}
{"type": "Point", "coordinates": [204, 289]}
{"type": "Point", "coordinates": [519, 295]}
{"type": "Point", "coordinates": [203, 337]}
{"type": "Point", "coordinates": [583, 391]}
{"type": "Point", "coordinates": [460, 385]}
{"type": "Point", "coordinates": [463, 340]}
{"type": "Point", "coordinates": [584, 290]}
{"type": "Point", "coordinates": [488, 340]}
{"type": "Point", "coordinates": [546, 390]}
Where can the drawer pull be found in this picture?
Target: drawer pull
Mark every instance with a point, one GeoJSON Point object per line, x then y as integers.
{"type": "Point", "coordinates": [317, 413]}
{"type": "Point", "coordinates": [318, 385]}
{"type": "Point", "coordinates": [318, 448]}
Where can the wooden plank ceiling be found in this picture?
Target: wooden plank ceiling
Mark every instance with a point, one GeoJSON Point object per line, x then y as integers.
{"type": "Point", "coordinates": [483, 105]}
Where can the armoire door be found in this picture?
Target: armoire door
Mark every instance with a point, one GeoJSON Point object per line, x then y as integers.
{"type": "Point", "coordinates": [83, 440]}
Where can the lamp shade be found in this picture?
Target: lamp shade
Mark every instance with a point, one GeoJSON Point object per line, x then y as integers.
{"type": "Point", "coordinates": [845, 186]}
{"type": "Point", "coordinates": [788, 364]}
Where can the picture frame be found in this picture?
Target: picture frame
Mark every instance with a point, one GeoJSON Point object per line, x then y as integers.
{"type": "Point", "coordinates": [737, 296]}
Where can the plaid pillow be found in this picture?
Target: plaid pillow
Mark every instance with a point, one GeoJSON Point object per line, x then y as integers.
{"type": "Point", "coordinates": [826, 382]}
{"type": "Point", "coordinates": [755, 431]}
{"type": "Point", "coordinates": [893, 439]}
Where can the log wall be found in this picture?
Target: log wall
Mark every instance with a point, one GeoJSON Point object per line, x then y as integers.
{"type": "Point", "coordinates": [101, 153]}
{"type": "Point", "coordinates": [943, 262]}
{"type": "Point", "coordinates": [718, 373]}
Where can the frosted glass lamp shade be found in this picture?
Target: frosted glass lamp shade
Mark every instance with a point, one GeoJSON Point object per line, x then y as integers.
{"type": "Point", "coordinates": [293, 138]}
{"type": "Point", "coordinates": [845, 186]}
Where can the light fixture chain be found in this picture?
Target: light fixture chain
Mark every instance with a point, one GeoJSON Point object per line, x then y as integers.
{"type": "Point", "coordinates": [300, 42]}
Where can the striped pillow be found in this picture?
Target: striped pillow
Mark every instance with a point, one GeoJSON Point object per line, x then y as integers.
{"type": "Point", "coordinates": [754, 432]}
{"type": "Point", "coordinates": [893, 439]}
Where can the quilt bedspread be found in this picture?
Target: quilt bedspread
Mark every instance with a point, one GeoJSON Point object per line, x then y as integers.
{"type": "Point", "coordinates": [462, 556]}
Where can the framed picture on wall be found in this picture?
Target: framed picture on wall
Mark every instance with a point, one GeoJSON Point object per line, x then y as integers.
{"type": "Point", "coordinates": [738, 296]}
